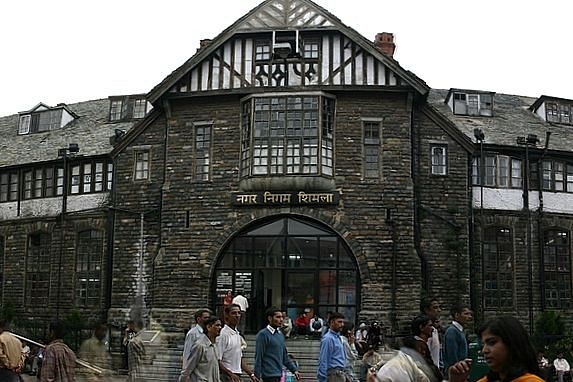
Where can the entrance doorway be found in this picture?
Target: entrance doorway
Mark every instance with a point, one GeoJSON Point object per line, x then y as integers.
{"type": "Point", "coordinates": [296, 264]}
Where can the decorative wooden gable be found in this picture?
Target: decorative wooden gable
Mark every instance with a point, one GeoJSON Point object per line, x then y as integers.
{"type": "Point", "coordinates": [327, 59]}
{"type": "Point", "coordinates": [292, 43]}
{"type": "Point", "coordinates": [285, 14]}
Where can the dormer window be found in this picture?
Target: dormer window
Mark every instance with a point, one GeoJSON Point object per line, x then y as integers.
{"type": "Point", "coordinates": [464, 102]}
{"type": "Point", "coordinates": [43, 118]}
{"type": "Point", "coordinates": [555, 110]}
{"type": "Point", "coordinates": [558, 113]}
{"type": "Point", "coordinates": [126, 108]}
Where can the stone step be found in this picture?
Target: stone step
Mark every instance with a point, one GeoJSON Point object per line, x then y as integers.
{"type": "Point", "coordinates": [163, 358]}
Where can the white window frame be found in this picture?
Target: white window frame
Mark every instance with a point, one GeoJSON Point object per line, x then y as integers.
{"type": "Point", "coordinates": [24, 125]}
{"type": "Point", "coordinates": [439, 159]}
{"type": "Point", "coordinates": [141, 167]}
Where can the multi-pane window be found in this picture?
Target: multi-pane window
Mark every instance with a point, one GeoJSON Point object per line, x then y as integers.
{"type": "Point", "coordinates": [262, 51]}
{"type": "Point", "coordinates": [87, 178]}
{"type": "Point", "coordinates": [557, 176]}
{"type": "Point", "coordinates": [499, 171]}
{"type": "Point", "coordinates": [473, 104]}
{"type": "Point", "coordinates": [125, 108]}
{"type": "Point", "coordinates": [557, 269]}
{"type": "Point", "coordinates": [203, 151]}
{"type": "Point", "coordinates": [8, 186]}
{"type": "Point", "coordinates": [24, 125]}
{"type": "Point", "coordinates": [116, 110]}
{"type": "Point", "coordinates": [141, 171]}
{"type": "Point", "coordinates": [372, 144]}
{"type": "Point", "coordinates": [89, 267]}
{"type": "Point", "coordinates": [48, 181]}
{"type": "Point", "coordinates": [498, 268]}
{"type": "Point", "coordinates": [38, 269]}
{"type": "Point", "coordinates": [139, 108]}
{"type": "Point", "coordinates": [559, 113]}
{"type": "Point", "coordinates": [439, 155]}
{"type": "Point", "coordinates": [310, 50]}
{"type": "Point", "coordinates": [38, 183]}
{"type": "Point", "coordinates": [327, 153]}
{"type": "Point", "coordinates": [109, 176]}
{"type": "Point", "coordinates": [40, 121]}
{"type": "Point", "coordinates": [287, 135]}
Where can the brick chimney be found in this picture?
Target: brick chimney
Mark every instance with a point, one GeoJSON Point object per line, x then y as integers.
{"type": "Point", "coordinates": [385, 43]}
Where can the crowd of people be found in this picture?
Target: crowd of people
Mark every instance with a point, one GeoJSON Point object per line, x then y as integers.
{"type": "Point", "coordinates": [213, 351]}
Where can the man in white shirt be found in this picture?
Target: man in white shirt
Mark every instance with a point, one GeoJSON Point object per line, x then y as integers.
{"type": "Point", "coordinates": [243, 303]}
{"type": "Point", "coordinates": [229, 348]}
{"type": "Point", "coordinates": [200, 317]}
{"type": "Point", "coordinates": [561, 366]}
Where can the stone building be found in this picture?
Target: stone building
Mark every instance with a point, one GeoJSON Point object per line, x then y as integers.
{"type": "Point", "coordinates": [294, 161]}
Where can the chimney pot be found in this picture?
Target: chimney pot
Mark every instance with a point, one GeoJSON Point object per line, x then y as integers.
{"type": "Point", "coordinates": [385, 43]}
{"type": "Point", "coordinates": [203, 43]}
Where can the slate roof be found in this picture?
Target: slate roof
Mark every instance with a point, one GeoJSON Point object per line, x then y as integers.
{"type": "Point", "coordinates": [511, 119]}
{"type": "Point", "coordinates": [91, 131]}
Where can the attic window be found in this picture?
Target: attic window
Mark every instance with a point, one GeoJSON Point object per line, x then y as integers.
{"type": "Point", "coordinates": [559, 113]}
{"type": "Point", "coordinates": [41, 120]}
{"type": "Point", "coordinates": [474, 104]}
{"type": "Point", "coordinates": [127, 108]}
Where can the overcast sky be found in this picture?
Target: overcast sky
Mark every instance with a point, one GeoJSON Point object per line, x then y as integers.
{"type": "Point", "coordinates": [78, 50]}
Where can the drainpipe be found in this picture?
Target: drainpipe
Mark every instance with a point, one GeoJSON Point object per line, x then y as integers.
{"type": "Point", "coordinates": [540, 219]}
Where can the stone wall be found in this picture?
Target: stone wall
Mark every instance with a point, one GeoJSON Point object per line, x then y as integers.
{"type": "Point", "coordinates": [375, 218]}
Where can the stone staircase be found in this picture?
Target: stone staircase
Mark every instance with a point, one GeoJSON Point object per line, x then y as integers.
{"type": "Point", "coordinates": [305, 352]}
{"type": "Point", "coordinates": [162, 361]}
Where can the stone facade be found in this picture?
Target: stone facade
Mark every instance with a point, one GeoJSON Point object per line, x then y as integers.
{"type": "Point", "coordinates": [410, 232]}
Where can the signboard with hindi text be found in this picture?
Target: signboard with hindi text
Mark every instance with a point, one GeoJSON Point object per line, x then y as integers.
{"type": "Point", "coordinates": [297, 198]}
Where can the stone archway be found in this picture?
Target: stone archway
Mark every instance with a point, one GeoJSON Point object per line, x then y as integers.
{"type": "Point", "coordinates": [291, 262]}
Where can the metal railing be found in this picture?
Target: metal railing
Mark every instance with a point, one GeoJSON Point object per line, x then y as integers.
{"type": "Point", "coordinates": [96, 369]}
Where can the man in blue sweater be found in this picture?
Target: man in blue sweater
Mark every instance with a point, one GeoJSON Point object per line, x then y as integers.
{"type": "Point", "coordinates": [455, 342]}
{"type": "Point", "coordinates": [332, 360]}
{"type": "Point", "coordinates": [271, 352]}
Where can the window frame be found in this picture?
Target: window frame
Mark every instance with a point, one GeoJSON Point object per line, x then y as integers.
{"type": "Point", "coordinates": [287, 134]}
{"type": "Point", "coordinates": [557, 282]}
{"type": "Point", "coordinates": [495, 295]}
{"type": "Point", "coordinates": [141, 166]}
{"type": "Point", "coordinates": [371, 147]}
{"type": "Point", "coordinates": [493, 171]}
{"type": "Point", "coordinates": [9, 186]}
{"type": "Point", "coordinates": [557, 176]}
{"type": "Point", "coordinates": [558, 112]}
{"type": "Point", "coordinates": [435, 166]}
{"type": "Point", "coordinates": [38, 265]}
{"type": "Point", "coordinates": [89, 267]}
{"type": "Point", "coordinates": [127, 108]}
{"type": "Point", "coordinates": [202, 150]}
{"type": "Point", "coordinates": [473, 104]}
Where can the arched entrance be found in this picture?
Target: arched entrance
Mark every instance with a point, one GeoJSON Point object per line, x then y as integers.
{"type": "Point", "coordinates": [289, 262]}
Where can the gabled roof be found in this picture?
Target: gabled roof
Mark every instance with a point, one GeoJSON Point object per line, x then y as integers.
{"type": "Point", "coordinates": [90, 130]}
{"type": "Point", "coordinates": [512, 118]}
{"type": "Point", "coordinates": [42, 106]}
{"type": "Point", "coordinates": [286, 15]}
